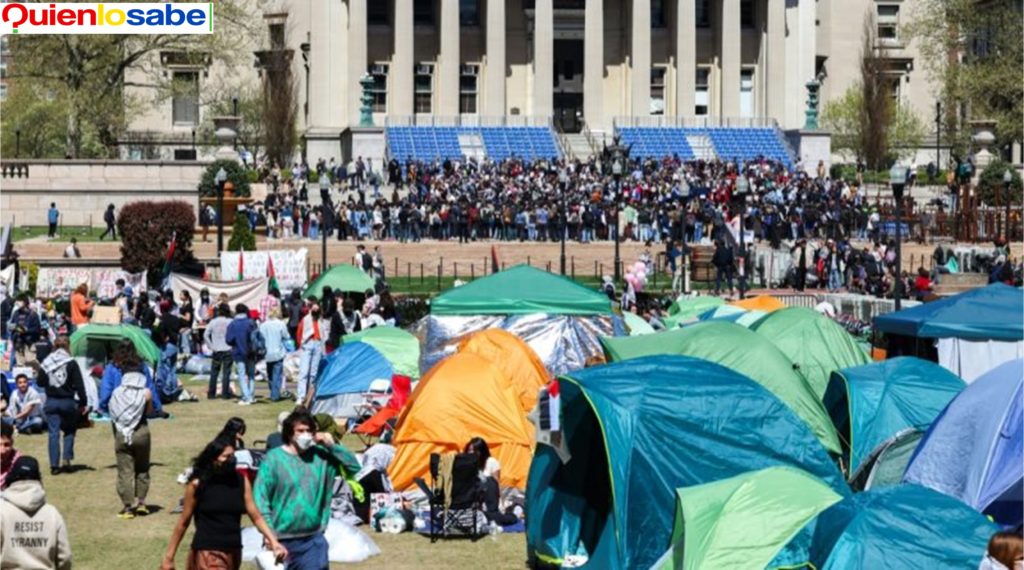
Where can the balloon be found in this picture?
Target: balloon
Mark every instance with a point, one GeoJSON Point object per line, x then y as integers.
{"type": "Point", "coordinates": [639, 286]}
{"type": "Point", "coordinates": [642, 276]}
{"type": "Point", "coordinates": [639, 266]}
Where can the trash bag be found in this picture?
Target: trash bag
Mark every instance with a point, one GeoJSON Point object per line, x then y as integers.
{"type": "Point", "coordinates": [348, 544]}
{"type": "Point", "coordinates": [198, 365]}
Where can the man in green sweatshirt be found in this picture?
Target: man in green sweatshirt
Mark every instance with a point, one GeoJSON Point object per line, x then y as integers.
{"type": "Point", "coordinates": [293, 489]}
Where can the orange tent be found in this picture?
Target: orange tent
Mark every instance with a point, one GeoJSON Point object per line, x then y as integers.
{"type": "Point", "coordinates": [765, 303]}
{"type": "Point", "coordinates": [462, 397]}
{"type": "Point", "coordinates": [513, 357]}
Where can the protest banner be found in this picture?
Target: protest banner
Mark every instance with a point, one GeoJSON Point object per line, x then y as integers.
{"type": "Point", "coordinates": [61, 281]}
{"type": "Point", "coordinates": [289, 266]}
{"type": "Point", "coordinates": [248, 292]}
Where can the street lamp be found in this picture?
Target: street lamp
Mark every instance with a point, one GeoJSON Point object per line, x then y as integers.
{"type": "Point", "coordinates": [17, 143]}
{"type": "Point", "coordinates": [327, 215]}
{"type": "Point", "coordinates": [898, 181]}
{"type": "Point", "coordinates": [221, 178]}
{"type": "Point", "coordinates": [563, 179]}
{"type": "Point", "coordinates": [740, 198]}
{"type": "Point", "coordinates": [617, 173]}
{"type": "Point", "coordinates": [1007, 181]}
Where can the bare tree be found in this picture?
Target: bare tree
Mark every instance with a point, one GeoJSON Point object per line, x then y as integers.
{"type": "Point", "coordinates": [877, 105]}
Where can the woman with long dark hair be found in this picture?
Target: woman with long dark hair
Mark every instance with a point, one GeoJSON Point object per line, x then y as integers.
{"type": "Point", "coordinates": [216, 496]}
{"type": "Point", "coordinates": [490, 475]}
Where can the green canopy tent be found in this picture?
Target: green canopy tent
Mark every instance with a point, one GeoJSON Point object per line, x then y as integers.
{"type": "Point", "coordinates": [342, 277]}
{"type": "Point", "coordinates": [685, 309]}
{"type": "Point", "coordinates": [638, 430]}
{"type": "Point", "coordinates": [636, 324]}
{"type": "Point", "coordinates": [98, 341]}
{"type": "Point", "coordinates": [399, 347]}
{"type": "Point", "coordinates": [742, 351]}
{"type": "Point", "coordinates": [521, 290]}
{"type": "Point", "coordinates": [874, 405]}
{"type": "Point", "coordinates": [744, 521]}
{"type": "Point", "coordinates": [815, 343]}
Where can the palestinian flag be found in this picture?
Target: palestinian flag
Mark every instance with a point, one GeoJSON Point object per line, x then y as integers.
{"type": "Point", "coordinates": [241, 265]}
{"type": "Point", "coordinates": [271, 274]}
{"type": "Point", "coordinates": [170, 254]}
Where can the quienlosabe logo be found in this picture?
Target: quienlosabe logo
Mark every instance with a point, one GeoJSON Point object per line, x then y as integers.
{"type": "Point", "coordinates": [106, 18]}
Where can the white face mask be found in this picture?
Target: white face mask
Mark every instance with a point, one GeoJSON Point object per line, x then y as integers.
{"type": "Point", "coordinates": [303, 441]}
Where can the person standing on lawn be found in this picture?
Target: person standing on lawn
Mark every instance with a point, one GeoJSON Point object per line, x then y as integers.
{"type": "Point", "coordinates": [275, 335]}
{"type": "Point", "coordinates": [130, 403]}
{"type": "Point", "coordinates": [309, 339]}
{"type": "Point", "coordinates": [52, 217]}
{"type": "Point", "coordinates": [237, 337]}
{"type": "Point", "coordinates": [215, 338]}
{"type": "Point", "coordinates": [109, 218]}
{"type": "Point", "coordinates": [61, 378]}
{"type": "Point", "coordinates": [293, 489]}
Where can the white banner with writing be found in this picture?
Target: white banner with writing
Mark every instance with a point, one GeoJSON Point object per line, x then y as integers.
{"type": "Point", "coordinates": [289, 266]}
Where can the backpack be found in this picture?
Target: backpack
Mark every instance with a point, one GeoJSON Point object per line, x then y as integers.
{"type": "Point", "coordinates": [257, 344]}
{"type": "Point", "coordinates": [367, 262]}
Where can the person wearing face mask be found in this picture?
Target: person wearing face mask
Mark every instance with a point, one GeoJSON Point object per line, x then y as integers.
{"type": "Point", "coordinates": [293, 489]}
{"type": "Point", "coordinates": [216, 496]}
{"type": "Point", "coordinates": [310, 342]}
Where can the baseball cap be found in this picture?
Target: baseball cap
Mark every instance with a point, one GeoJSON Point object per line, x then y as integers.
{"type": "Point", "coordinates": [25, 468]}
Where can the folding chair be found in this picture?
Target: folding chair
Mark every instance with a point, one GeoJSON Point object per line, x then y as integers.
{"type": "Point", "coordinates": [382, 419]}
{"type": "Point", "coordinates": [464, 511]}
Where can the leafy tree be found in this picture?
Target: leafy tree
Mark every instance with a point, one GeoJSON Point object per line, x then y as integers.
{"type": "Point", "coordinates": [241, 235]}
{"type": "Point", "coordinates": [991, 188]}
{"type": "Point", "coordinates": [279, 105]}
{"type": "Point", "coordinates": [236, 175]}
{"type": "Point", "coordinates": [146, 229]}
{"type": "Point", "coordinates": [842, 117]}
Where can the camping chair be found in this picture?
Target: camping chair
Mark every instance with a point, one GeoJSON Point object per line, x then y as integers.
{"type": "Point", "coordinates": [382, 420]}
{"type": "Point", "coordinates": [462, 513]}
{"type": "Point", "coordinates": [373, 398]}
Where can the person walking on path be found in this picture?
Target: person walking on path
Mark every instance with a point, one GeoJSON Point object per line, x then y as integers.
{"type": "Point", "coordinates": [215, 338]}
{"type": "Point", "coordinates": [61, 378]}
{"type": "Point", "coordinates": [52, 217]}
{"type": "Point", "coordinates": [110, 219]}
{"type": "Point", "coordinates": [216, 496]}
{"type": "Point", "coordinates": [237, 337]}
{"type": "Point", "coordinates": [293, 489]}
{"type": "Point", "coordinates": [32, 533]}
{"type": "Point", "coordinates": [130, 403]}
{"type": "Point", "coordinates": [275, 335]}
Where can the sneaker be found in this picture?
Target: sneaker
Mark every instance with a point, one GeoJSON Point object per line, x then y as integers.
{"type": "Point", "coordinates": [126, 514]}
{"type": "Point", "coordinates": [142, 510]}
{"type": "Point", "coordinates": [244, 403]}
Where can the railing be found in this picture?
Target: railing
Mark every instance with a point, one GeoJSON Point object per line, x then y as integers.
{"type": "Point", "coordinates": [595, 148]}
{"type": "Point", "coordinates": [13, 170]}
{"type": "Point", "coordinates": [695, 122]}
{"type": "Point", "coordinates": [563, 141]}
{"type": "Point", "coordinates": [471, 121]}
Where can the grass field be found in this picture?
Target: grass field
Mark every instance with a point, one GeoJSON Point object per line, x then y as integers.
{"type": "Point", "coordinates": [82, 233]}
{"type": "Point", "coordinates": [100, 540]}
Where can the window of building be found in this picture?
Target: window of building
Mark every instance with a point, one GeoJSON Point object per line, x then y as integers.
{"type": "Point", "coordinates": [887, 32]}
{"type": "Point", "coordinates": [377, 13]}
{"type": "Point", "coordinates": [379, 89]}
{"type": "Point", "coordinates": [276, 32]}
{"type": "Point", "coordinates": [423, 12]}
{"type": "Point", "coordinates": [424, 89]}
{"type": "Point", "coordinates": [747, 93]}
{"type": "Point", "coordinates": [703, 9]}
{"type": "Point", "coordinates": [185, 103]}
{"type": "Point", "coordinates": [658, 90]}
{"type": "Point", "coordinates": [701, 92]}
{"type": "Point", "coordinates": [747, 13]}
{"type": "Point", "coordinates": [658, 18]}
{"type": "Point", "coordinates": [469, 12]}
{"type": "Point", "coordinates": [468, 82]}
{"type": "Point", "coordinates": [888, 22]}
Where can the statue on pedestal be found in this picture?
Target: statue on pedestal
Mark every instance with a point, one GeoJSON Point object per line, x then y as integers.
{"type": "Point", "coordinates": [811, 114]}
{"type": "Point", "coordinates": [366, 109]}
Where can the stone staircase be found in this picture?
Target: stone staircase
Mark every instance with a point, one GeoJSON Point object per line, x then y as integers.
{"type": "Point", "coordinates": [577, 146]}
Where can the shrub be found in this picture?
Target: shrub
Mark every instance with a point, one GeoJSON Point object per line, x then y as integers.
{"type": "Point", "coordinates": [236, 175]}
{"type": "Point", "coordinates": [146, 229]}
{"type": "Point", "coordinates": [241, 234]}
{"type": "Point", "coordinates": [990, 184]}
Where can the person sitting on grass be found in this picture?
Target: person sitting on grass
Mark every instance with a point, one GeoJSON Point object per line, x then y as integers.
{"type": "Point", "coordinates": [34, 533]}
{"type": "Point", "coordinates": [216, 496]}
{"type": "Point", "coordinates": [490, 475]}
{"type": "Point", "coordinates": [26, 407]}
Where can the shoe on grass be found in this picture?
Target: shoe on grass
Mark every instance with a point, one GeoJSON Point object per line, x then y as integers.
{"type": "Point", "coordinates": [142, 510]}
{"type": "Point", "coordinates": [126, 514]}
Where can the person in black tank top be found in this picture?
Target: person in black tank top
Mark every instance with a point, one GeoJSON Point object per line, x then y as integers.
{"type": "Point", "coordinates": [217, 496]}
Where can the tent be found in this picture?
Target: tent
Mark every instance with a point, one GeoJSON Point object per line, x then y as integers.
{"type": "Point", "coordinates": [401, 348]}
{"type": "Point", "coordinates": [743, 521]}
{"type": "Point", "coordinates": [514, 358]}
{"type": "Point", "coordinates": [899, 527]}
{"type": "Point", "coordinates": [636, 324]}
{"type": "Point", "coordinates": [559, 318]}
{"type": "Point", "coordinates": [872, 404]}
{"type": "Point", "coordinates": [815, 343]}
{"type": "Point", "coordinates": [731, 314]}
{"type": "Point", "coordinates": [464, 396]}
{"type": "Point", "coordinates": [521, 290]}
{"type": "Point", "coordinates": [765, 303]}
{"type": "Point", "coordinates": [742, 351]}
{"type": "Point", "coordinates": [345, 375]}
{"type": "Point", "coordinates": [342, 277]}
{"type": "Point", "coordinates": [976, 330]}
{"type": "Point", "coordinates": [98, 341]}
{"type": "Point", "coordinates": [636, 432]}
{"type": "Point", "coordinates": [685, 309]}
{"type": "Point", "coordinates": [974, 451]}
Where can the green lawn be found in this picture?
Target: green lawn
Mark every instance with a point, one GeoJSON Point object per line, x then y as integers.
{"type": "Point", "coordinates": [99, 539]}
{"type": "Point", "coordinates": [81, 233]}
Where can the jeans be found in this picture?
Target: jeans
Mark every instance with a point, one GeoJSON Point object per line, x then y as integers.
{"type": "Point", "coordinates": [221, 366]}
{"type": "Point", "coordinates": [306, 553]}
{"type": "Point", "coordinates": [185, 341]}
{"type": "Point", "coordinates": [61, 416]}
{"type": "Point", "coordinates": [132, 466]}
{"type": "Point", "coordinates": [719, 274]}
{"type": "Point", "coordinates": [309, 364]}
{"type": "Point", "coordinates": [835, 280]}
{"type": "Point", "coordinates": [30, 424]}
{"type": "Point", "coordinates": [274, 370]}
{"type": "Point", "coordinates": [166, 375]}
{"type": "Point", "coordinates": [246, 379]}
{"type": "Point", "coordinates": [698, 231]}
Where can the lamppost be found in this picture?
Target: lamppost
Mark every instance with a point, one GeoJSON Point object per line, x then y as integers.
{"type": "Point", "coordinates": [740, 199]}
{"type": "Point", "coordinates": [305, 48]}
{"type": "Point", "coordinates": [194, 155]}
{"type": "Point", "coordinates": [563, 179]}
{"type": "Point", "coordinates": [328, 221]}
{"type": "Point", "coordinates": [898, 181]}
{"type": "Point", "coordinates": [617, 173]}
{"type": "Point", "coordinates": [1007, 181]}
{"type": "Point", "coordinates": [221, 178]}
{"type": "Point", "coordinates": [17, 143]}
{"type": "Point", "coordinates": [938, 135]}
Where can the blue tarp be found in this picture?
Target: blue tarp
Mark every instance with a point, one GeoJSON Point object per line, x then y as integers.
{"type": "Point", "coordinates": [350, 369]}
{"type": "Point", "coordinates": [986, 313]}
{"type": "Point", "coordinates": [974, 451]}
{"type": "Point", "coordinates": [899, 527]}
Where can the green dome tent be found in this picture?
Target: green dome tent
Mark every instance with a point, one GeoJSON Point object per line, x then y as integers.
{"type": "Point", "coordinates": [399, 347]}
{"type": "Point", "coordinates": [98, 341]}
{"type": "Point", "coordinates": [521, 290]}
{"type": "Point", "coordinates": [636, 432]}
{"type": "Point", "coordinates": [685, 309]}
{"type": "Point", "coordinates": [342, 277]}
{"type": "Point", "coordinates": [743, 521]}
{"type": "Point", "coordinates": [636, 324]}
{"type": "Point", "coordinates": [874, 404]}
{"type": "Point", "coordinates": [815, 343]}
{"type": "Point", "coordinates": [742, 351]}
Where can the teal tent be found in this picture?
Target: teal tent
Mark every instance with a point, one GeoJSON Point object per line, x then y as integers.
{"type": "Point", "coordinates": [985, 313]}
{"type": "Point", "coordinates": [686, 309]}
{"type": "Point", "coordinates": [98, 341]}
{"type": "Point", "coordinates": [907, 526]}
{"type": "Point", "coordinates": [874, 404]}
{"type": "Point", "coordinates": [521, 290]}
{"type": "Point", "coordinates": [733, 314]}
{"type": "Point", "coordinates": [636, 324]}
{"type": "Point", "coordinates": [636, 432]}
{"type": "Point", "coordinates": [342, 277]}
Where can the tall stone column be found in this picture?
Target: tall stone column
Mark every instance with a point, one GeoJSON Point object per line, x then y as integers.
{"type": "Point", "coordinates": [686, 57]}
{"type": "Point", "coordinates": [729, 38]}
{"type": "Point", "coordinates": [357, 57]}
{"type": "Point", "coordinates": [593, 64]}
{"type": "Point", "coordinates": [543, 58]}
{"type": "Point", "coordinates": [776, 61]}
{"type": "Point", "coordinates": [328, 101]}
{"type": "Point", "coordinates": [494, 71]}
{"type": "Point", "coordinates": [640, 58]}
{"type": "Point", "coordinates": [448, 61]}
{"type": "Point", "coordinates": [400, 76]}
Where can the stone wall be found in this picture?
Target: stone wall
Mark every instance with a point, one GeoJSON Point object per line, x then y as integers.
{"type": "Point", "coordinates": [82, 189]}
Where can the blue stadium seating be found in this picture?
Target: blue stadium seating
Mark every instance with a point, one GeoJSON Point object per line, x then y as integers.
{"type": "Point", "coordinates": [657, 142]}
{"type": "Point", "coordinates": [730, 143]}
{"type": "Point", "coordinates": [428, 143]}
